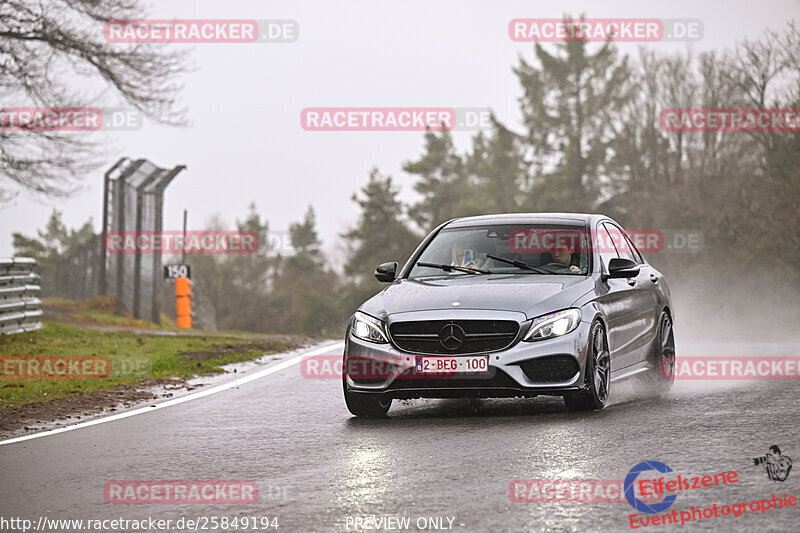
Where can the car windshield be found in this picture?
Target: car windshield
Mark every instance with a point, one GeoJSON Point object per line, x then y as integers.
{"type": "Point", "coordinates": [537, 249]}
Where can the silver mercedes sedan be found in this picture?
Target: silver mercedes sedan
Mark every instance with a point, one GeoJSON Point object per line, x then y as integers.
{"type": "Point", "coordinates": [512, 305]}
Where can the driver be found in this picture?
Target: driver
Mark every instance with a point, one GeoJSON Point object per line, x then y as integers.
{"type": "Point", "coordinates": [464, 254]}
{"type": "Point", "coordinates": [562, 256]}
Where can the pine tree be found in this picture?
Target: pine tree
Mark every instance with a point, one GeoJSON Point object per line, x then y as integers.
{"type": "Point", "coordinates": [571, 100]}
{"type": "Point", "coordinates": [380, 235]}
{"type": "Point", "coordinates": [497, 171]}
{"type": "Point", "coordinates": [442, 182]}
{"type": "Point", "coordinates": [304, 291]}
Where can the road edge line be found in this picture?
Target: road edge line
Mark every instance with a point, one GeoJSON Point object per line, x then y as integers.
{"type": "Point", "coordinates": [175, 401]}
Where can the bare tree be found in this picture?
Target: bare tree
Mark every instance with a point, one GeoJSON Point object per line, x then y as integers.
{"type": "Point", "coordinates": [53, 54]}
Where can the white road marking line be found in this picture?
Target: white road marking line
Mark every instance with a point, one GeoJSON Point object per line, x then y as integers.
{"type": "Point", "coordinates": [169, 403]}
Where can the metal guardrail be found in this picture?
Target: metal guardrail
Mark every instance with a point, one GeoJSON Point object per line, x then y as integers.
{"type": "Point", "coordinates": [20, 307]}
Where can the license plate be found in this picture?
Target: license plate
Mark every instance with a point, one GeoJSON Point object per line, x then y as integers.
{"type": "Point", "coordinates": [438, 365]}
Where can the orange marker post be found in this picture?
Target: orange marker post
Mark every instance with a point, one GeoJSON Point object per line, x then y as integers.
{"type": "Point", "coordinates": [183, 302]}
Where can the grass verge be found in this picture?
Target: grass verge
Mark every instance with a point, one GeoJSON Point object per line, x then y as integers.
{"type": "Point", "coordinates": [133, 357]}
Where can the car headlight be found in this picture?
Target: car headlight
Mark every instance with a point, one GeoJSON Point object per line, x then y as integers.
{"type": "Point", "coordinates": [554, 325]}
{"type": "Point", "coordinates": [368, 328]}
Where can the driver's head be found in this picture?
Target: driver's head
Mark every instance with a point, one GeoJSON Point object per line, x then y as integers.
{"type": "Point", "coordinates": [461, 246]}
{"type": "Point", "coordinates": [562, 254]}
{"type": "Point", "coordinates": [774, 451]}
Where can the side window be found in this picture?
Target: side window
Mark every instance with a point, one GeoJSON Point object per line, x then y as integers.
{"type": "Point", "coordinates": [621, 242]}
{"type": "Point", "coordinates": [636, 253]}
{"type": "Point", "coordinates": [605, 245]}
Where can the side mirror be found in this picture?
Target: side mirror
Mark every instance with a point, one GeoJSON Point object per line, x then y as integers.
{"type": "Point", "coordinates": [622, 268]}
{"type": "Point", "coordinates": [386, 272]}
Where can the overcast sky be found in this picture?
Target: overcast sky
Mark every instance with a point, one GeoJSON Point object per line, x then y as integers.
{"type": "Point", "coordinates": [245, 142]}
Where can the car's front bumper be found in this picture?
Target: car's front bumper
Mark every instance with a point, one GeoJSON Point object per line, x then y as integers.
{"type": "Point", "coordinates": [505, 376]}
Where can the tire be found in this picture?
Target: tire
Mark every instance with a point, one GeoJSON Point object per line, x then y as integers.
{"type": "Point", "coordinates": [598, 374]}
{"type": "Point", "coordinates": [365, 405]}
{"type": "Point", "coordinates": [662, 360]}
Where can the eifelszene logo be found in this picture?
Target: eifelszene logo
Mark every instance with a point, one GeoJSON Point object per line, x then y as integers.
{"type": "Point", "coordinates": [636, 503]}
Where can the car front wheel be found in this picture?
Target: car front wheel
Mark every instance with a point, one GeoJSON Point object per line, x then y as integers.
{"type": "Point", "coordinates": [366, 405]}
{"type": "Point", "coordinates": [598, 374]}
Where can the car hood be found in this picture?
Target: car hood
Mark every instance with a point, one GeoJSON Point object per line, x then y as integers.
{"type": "Point", "coordinates": [530, 294]}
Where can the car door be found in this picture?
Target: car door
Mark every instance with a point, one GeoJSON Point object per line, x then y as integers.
{"type": "Point", "coordinates": [613, 298]}
{"type": "Point", "coordinates": [656, 298]}
{"type": "Point", "coordinates": [641, 315]}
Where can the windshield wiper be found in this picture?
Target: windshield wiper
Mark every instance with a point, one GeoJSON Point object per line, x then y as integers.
{"type": "Point", "coordinates": [520, 264]}
{"type": "Point", "coordinates": [450, 268]}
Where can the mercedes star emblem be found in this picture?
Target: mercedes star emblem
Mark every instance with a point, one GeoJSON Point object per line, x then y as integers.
{"type": "Point", "coordinates": [452, 336]}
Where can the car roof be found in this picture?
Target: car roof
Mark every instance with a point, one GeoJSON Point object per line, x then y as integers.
{"type": "Point", "coordinates": [524, 218]}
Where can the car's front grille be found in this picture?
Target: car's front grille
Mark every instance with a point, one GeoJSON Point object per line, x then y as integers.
{"type": "Point", "coordinates": [454, 336]}
{"type": "Point", "coordinates": [550, 369]}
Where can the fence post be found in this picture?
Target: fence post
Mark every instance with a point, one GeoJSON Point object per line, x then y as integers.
{"type": "Point", "coordinates": [159, 187]}
{"type": "Point", "coordinates": [106, 192]}
{"type": "Point", "coordinates": [119, 189]}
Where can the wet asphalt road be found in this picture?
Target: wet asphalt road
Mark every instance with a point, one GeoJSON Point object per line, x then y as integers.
{"type": "Point", "coordinates": [318, 469]}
